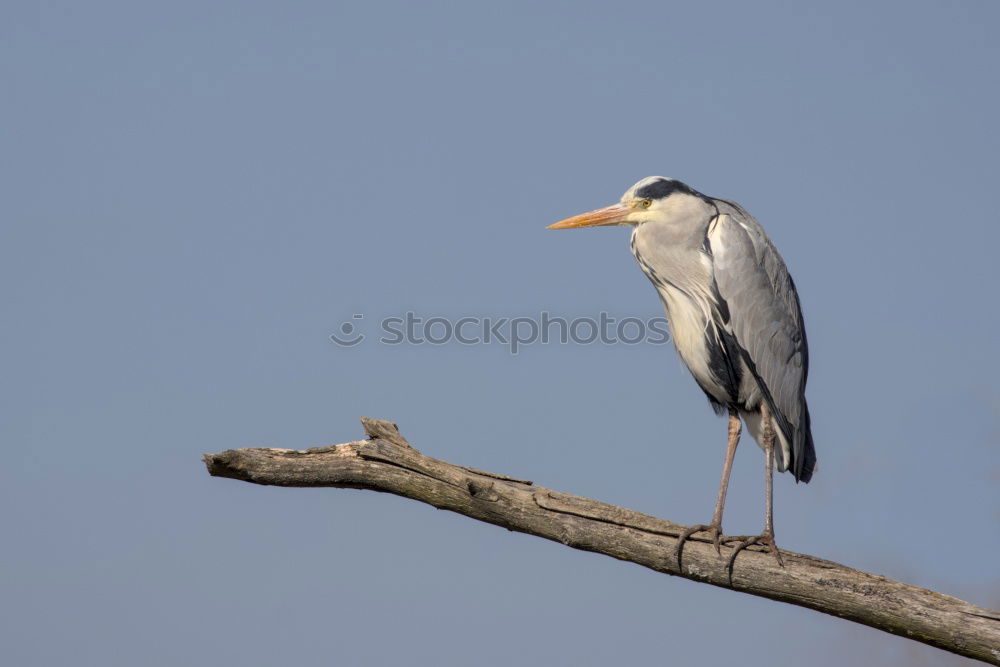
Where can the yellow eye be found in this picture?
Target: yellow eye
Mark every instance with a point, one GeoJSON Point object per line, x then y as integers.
{"type": "Point", "coordinates": [646, 203]}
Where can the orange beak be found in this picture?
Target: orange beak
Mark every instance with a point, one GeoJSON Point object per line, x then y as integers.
{"type": "Point", "coordinates": [609, 215]}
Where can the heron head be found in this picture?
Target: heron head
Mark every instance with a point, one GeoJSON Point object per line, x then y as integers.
{"type": "Point", "coordinates": [653, 198]}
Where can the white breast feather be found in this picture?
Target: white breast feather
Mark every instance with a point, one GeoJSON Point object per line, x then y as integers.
{"type": "Point", "coordinates": [688, 326]}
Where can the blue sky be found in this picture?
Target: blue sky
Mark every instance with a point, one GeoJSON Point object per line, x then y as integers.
{"type": "Point", "coordinates": [196, 195]}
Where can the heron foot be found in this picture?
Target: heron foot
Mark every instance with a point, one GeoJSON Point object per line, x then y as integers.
{"type": "Point", "coordinates": [766, 539]}
{"type": "Point", "coordinates": [715, 530]}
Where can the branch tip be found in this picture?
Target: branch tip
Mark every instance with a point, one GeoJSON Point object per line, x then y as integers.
{"type": "Point", "coordinates": [225, 464]}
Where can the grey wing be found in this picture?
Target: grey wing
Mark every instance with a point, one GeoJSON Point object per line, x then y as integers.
{"type": "Point", "coordinates": [759, 299]}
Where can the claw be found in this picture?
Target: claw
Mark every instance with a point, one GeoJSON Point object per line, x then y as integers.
{"type": "Point", "coordinates": [764, 540]}
{"type": "Point", "coordinates": [716, 532]}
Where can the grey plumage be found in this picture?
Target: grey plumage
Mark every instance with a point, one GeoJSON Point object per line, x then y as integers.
{"type": "Point", "coordinates": [766, 320]}
{"type": "Point", "coordinates": [733, 310]}
{"type": "Point", "coordinates": [734, 316]}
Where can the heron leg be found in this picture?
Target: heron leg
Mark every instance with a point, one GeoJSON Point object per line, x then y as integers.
{"type": "Point", "coordinates": [767, 537]}
{"type": "Point", "coordinates": [715, 528]}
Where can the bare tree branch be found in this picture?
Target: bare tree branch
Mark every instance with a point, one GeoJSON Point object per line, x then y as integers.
{"type": "Point", "coordinates": [386, 462]}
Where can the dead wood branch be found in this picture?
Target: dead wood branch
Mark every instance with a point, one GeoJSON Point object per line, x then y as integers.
{"type": "Point", "coordinates": [386, 462]}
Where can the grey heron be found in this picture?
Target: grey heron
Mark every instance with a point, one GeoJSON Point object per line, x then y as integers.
{"type": "Point", "coordinates": [735, 319]}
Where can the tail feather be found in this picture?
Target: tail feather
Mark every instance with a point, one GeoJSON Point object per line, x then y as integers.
{"type": "Point", "coordinates": [797, 457]}
{"type": "Point", "coordinates": [805, 463]}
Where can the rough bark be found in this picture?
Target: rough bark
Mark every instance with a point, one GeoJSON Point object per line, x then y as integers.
{"type": "Point", "coordinates": [386, 462]}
